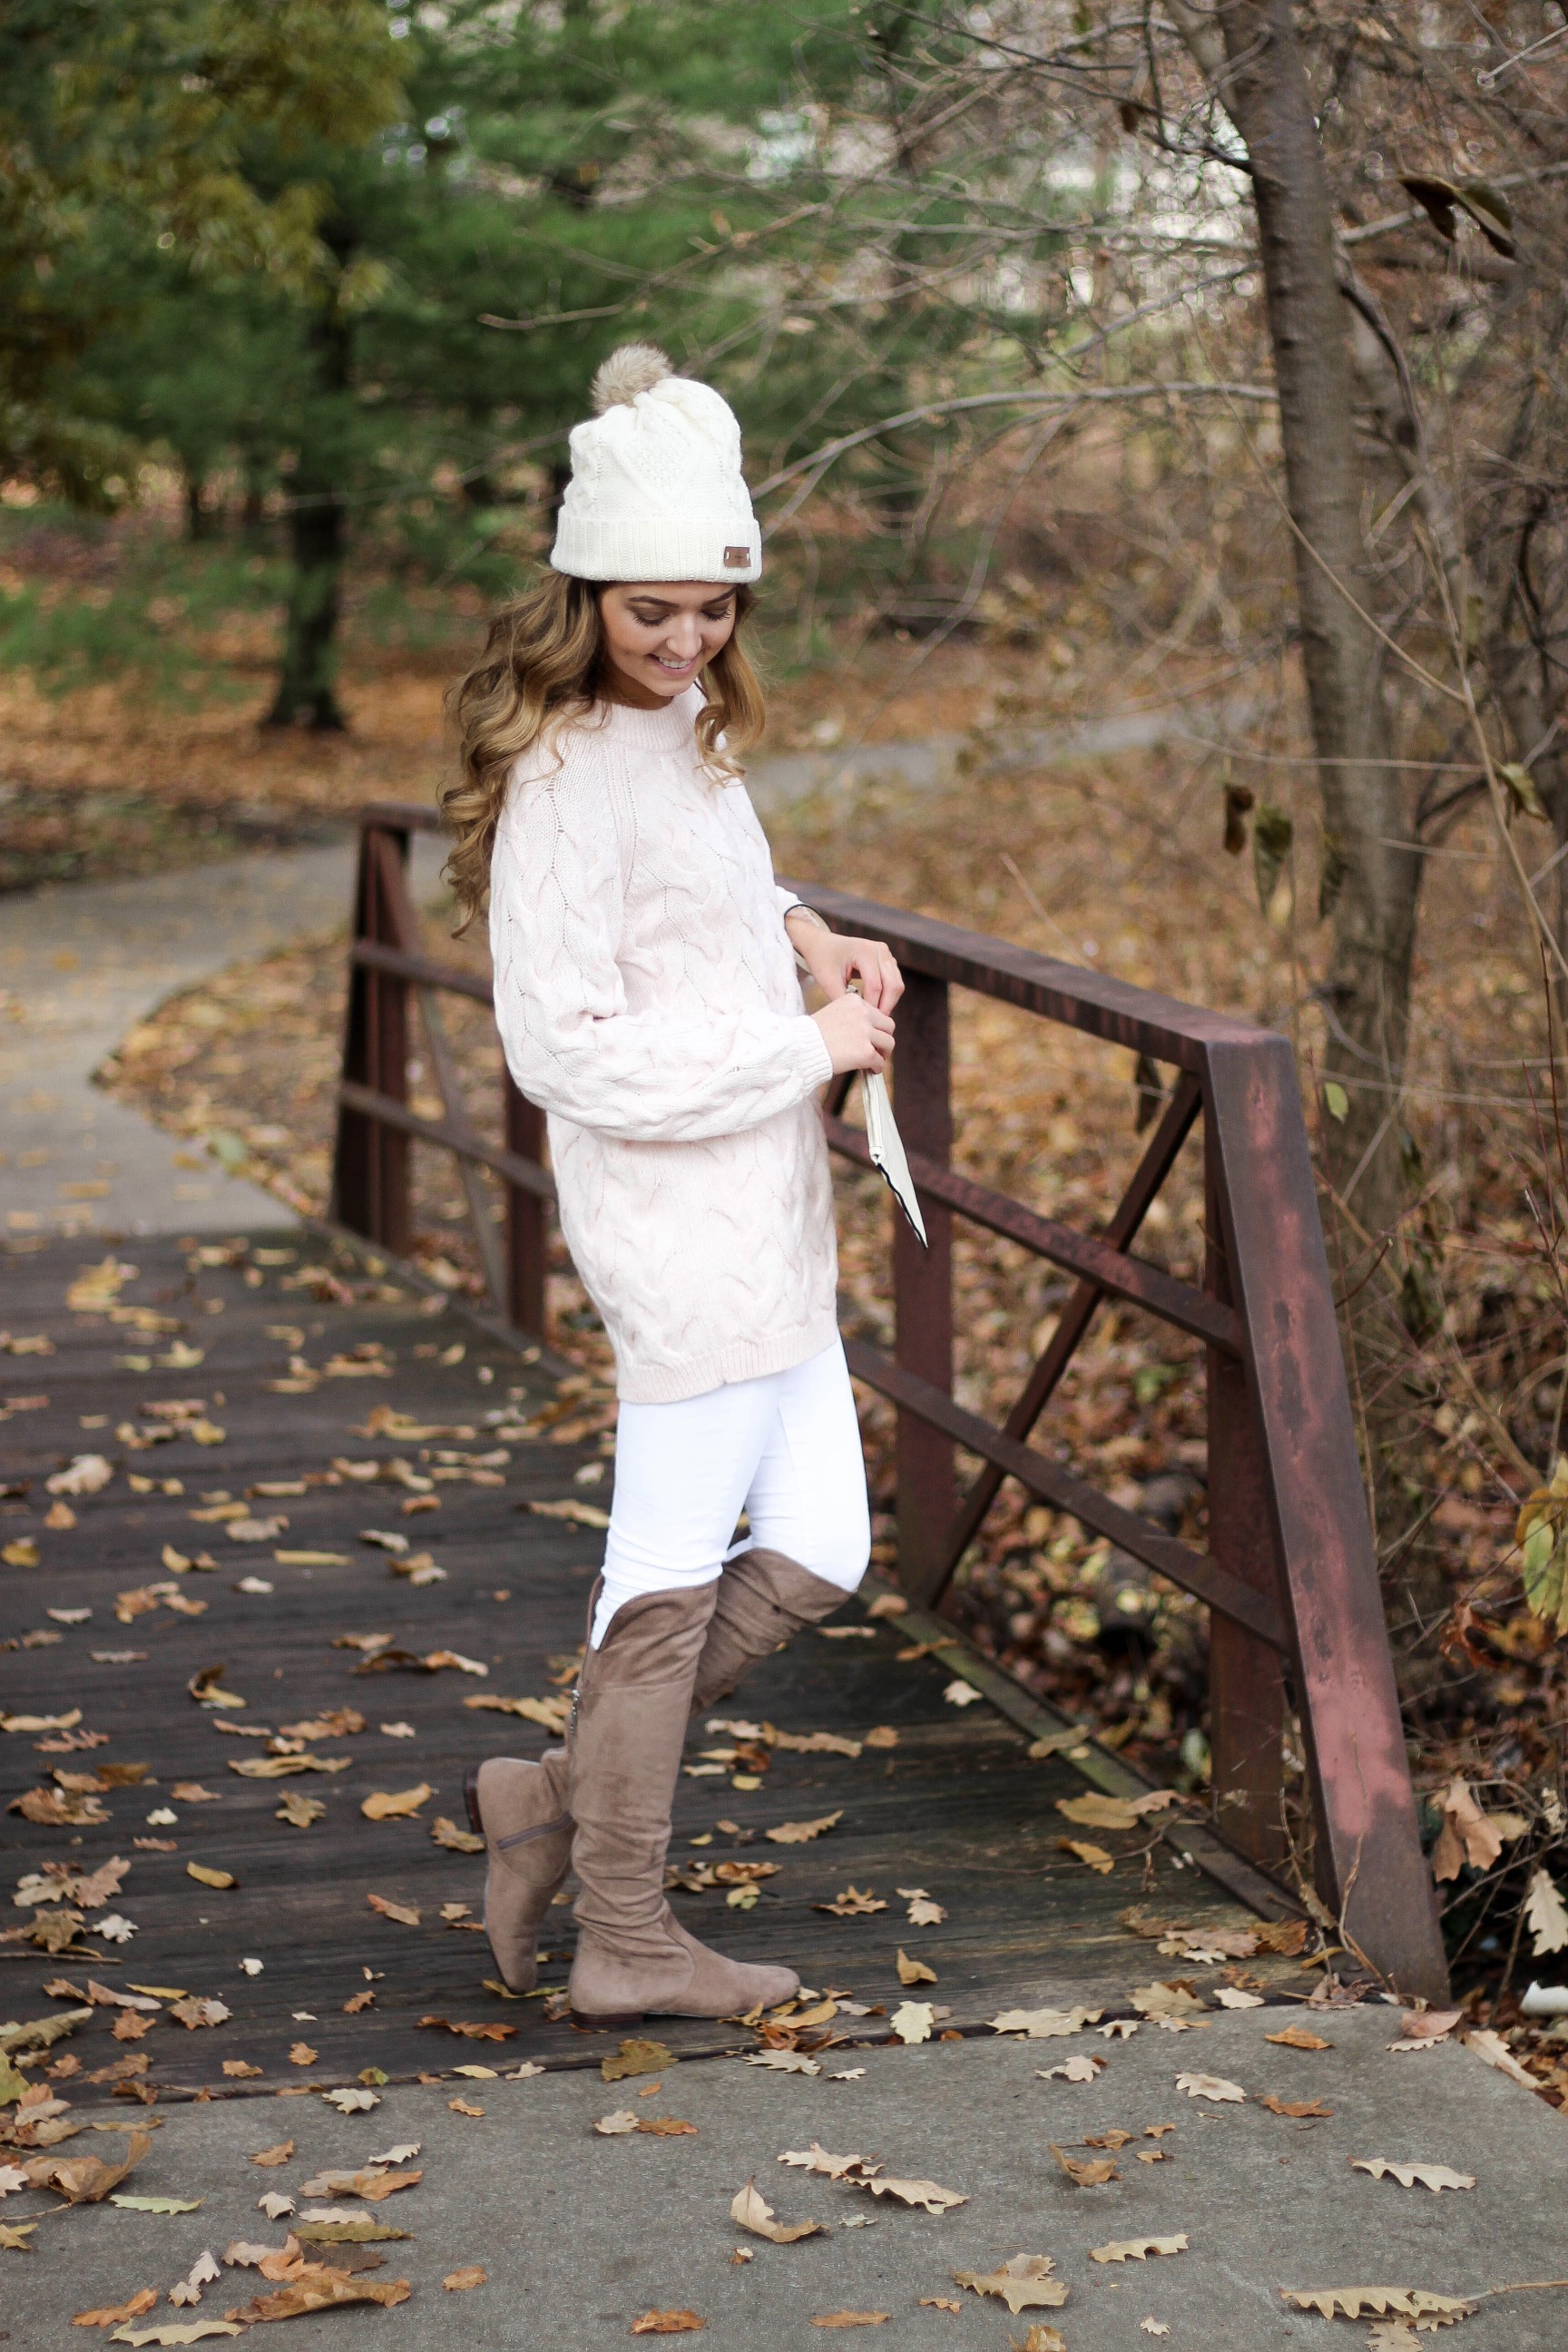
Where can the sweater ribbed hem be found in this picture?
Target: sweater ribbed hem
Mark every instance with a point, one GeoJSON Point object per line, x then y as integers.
{"type": "Point", "coordinates": [743, 1359]}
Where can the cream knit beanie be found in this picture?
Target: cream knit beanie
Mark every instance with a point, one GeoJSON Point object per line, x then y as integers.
{"type": "Point", "coordinates": [656, 491]}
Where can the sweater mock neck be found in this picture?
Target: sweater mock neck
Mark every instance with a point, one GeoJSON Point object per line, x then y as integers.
{"type": "Point", "coordinates": [673, 729]}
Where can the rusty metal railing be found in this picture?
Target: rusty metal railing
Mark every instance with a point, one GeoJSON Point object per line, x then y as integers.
{"type": "Point", "coordinates": [1289, 1575]}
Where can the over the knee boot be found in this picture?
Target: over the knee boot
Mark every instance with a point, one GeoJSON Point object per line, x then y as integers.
{"type": "Point", "coordinates": [522, 1811]}
{"type": "Point", "coordinates": [763, 1598]}
{"type": "Point", "coordinates": [634, 1703]}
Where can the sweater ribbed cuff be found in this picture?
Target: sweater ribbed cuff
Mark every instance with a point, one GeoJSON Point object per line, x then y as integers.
{"type": "Point", "coordinates": [816, 1062]}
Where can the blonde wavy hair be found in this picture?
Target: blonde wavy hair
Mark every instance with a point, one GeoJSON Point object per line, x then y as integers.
{"type": "Point", "coordinates": [541, 669]}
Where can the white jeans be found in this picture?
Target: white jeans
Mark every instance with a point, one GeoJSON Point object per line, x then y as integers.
{"type": "Point", "coordinates": [787, 1448]}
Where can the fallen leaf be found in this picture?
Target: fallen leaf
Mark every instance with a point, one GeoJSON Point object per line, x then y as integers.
{"type": "Point", "coordinates": [1044, 2024]}
{"type": "Point", "coordinates": [270, 2158]}
{"type": "Point", "coordinates": [319, 2289]}
{"type": "Point", "coordinates": [1296, 2109]}
{"type": "Point", "coordinates": [195, 2010]}
{"type": "Point", "coordinates": [961, 1694]}
{"type": "Point", "coordinates": [913, 2020]}
{"type": "Point", "coordinates": [1357, 2302]}
{"type": "Point", "coordinates": [1160, 2001]}
{"type": "Point", "coordinates": [802, 1833]}
{"type": "Point", "coordinates": [446, 1833]}
{"type": "Point", "coordinates": [940, 2302]}
{"type": "Point", "coordinates": [1080, 2068]}
{"type": "Point", "coordinates": [668, 2323]}
{"type": "Point", "coordinates": [299, 1810]}
{"type": "Point", "coordinates": [1023, 2284]}
{"type": "Point", "coordinates": [484, 2033]}
{"type": "Point", "coordinates": [13, 2239]}
{"type": "Point", "coordinates": [1154, 2328]}
{"type": "Point", "coordinates": [1545, 1914]}
{"type": "Point", "coordinates": [913, 1972]}
{"type": "Point", "coordinates": [1493, 2050]}
{"type": "Point", "coordinates": [171, 2331]}
{"type": "Point", "coordinates": [157, 2204]}
{"type": "Point", "coordinates": [923, 1911]}
{"type": "Point", "coordinates": [471, 2274]}
{"type": "Point", "coordinates": [403, 1912]}
{"type": "Point", "coordinates": [782, 2062]}
{"type": "Point", "coordinates": [850, 2319]}
{"type": "Point", "coordinates": [87, 2180]}
{"type": "Point", "coordinates": [110, 2315]}
{"type": "Point", "coordinates": [636, 2057]}
{"type": "Point", "coordinates": [384, 1805]}
{"type": "Point", "coordinates": [350, 2102]}
{"type": "Point", "coordinates": [1430, 2176]}
{"type": "Point", "coordinates": [373, 2184]}
{"type": "Point", "coordinates": [223, 1880]}
{"type": "Point", "coordinates": [1233, 1996]}
{"type": "Point", "coordinates": [1297, 2037]}
{"type": "Point", "coordinates": [816, 2158]}
{"type": "Point", "coordinates": [1094, 1855]}
{"type": "Point", "coordinates": [580, 1515]}
{"type": "Point", "coordinates": [1098, 1812]}
{"type": "Point", "coordinates": [1136, 2250]}
{"type": "Point", "coordinates": [855, 1903]}
{"type": "Point", "coordinates": [881, 1735]}
{"type": "Point", "coordinates": [1465, 1837]}
{"type": "Point", "coordinates": [1085, 2174]}
{"type": "Point", "coordinates": [275, 2205]}
{"type": "Point", "coordinates": [926, 2194]}
{"type": "Point", "coordinates": [750, 2211]}
{"type": "Point", "coordinates": [1209, 2086]}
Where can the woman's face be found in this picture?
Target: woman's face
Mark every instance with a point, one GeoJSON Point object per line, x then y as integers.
{"type": "Point", "coordinates": [658, 635]}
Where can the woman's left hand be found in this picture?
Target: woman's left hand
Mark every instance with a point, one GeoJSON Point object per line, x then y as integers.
{"type": "Point", "coordinates": [834, 962]}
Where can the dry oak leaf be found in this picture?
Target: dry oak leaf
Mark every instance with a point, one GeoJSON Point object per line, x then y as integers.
{"type": "Point", "coordinates": [1546, 1916]}
{"type": "Point", "coordinates": [223, 1880]}
{"type": "Point", "coordinates": [940, 2302]}
{"type": "Point", "coordinates": [1380, 2302]}
{"type": "Point", "coordinates": [855, 1903]}
{"type": "Point", "coordinates": [373, 2184]}
{"type": "Point", "coordinates": [851, 2318]}
{"type": "Point", "coordinates": [1137, 2250]}
{"type": "Point", "coordinates": [784, 2061]}
{"type": "Point", "coordinates": [317, 2288]}
{"type": "Point", "coordinates": [466, 2107]}
{"type": "Point", "coordinates": [1493, 2050]}
{"type": "Point", "coordinates": [485, 2032]}
{"type": "Point", "coordinates": [87, 2180]}
{"type": "Point", "coordinates": [668, 2323]}
{"type": "Point", "coordinates": [1466, 1835]}
{"type": "Point", "coordinates": [299, 1811]}
{"type": "Point", "coordinates": [1165, 2000]}
{"type": "Point", "coordinates": [1045, 2024]}
{"type": "Point", "coordinates": [1025, 2283]}
{"type": "Point", "coordinates": [1430, 2176]}
{"type": "Point", "coordinates": [403, 1912]}
{"type": "Point", "coordinates": [446, 1833]}
{"type": "Point", "coordinates": [913, 2020]}
{"type": "Point", "coordinates": [1296, 2109]}
{"type": "Point", "coordinates": [816, 2158]}
{"type": "Point", "coordinates": [924, 1910]}
{"type": "Point", "coordinates": [926, 2194]}
{"type": "Point", "coordinates": [1296, 2037]}
{"type": "Point", "coordinates": [302, 2054]}
{"type": "Point", "coordinates": [636, 2057]}
{"type": "Point", "coordinates": [1154, 2328]}
{"type": "Point", "coordinates": [1092, 2173]}
{"type": "Point", "coordinates": [471, 2274]}
{"type": "Point", "coordinates": [112, 2314]}
{"type": "Point", "coordinates": [396, 1805]}
{"type": "Point", "coordinates": [1209, 2086]}
{"type": "Point", "coordinates": [15, 2240]}
{"type": "Point", "coordinates": [1233, 1996]}
{"type": "Point", "coordinates": [801, 1833]}
{"type": "Point", "coordinates": [270, 2158]}
{"type": "Point", "coordinates": [749, 2210]}
{"type": "Point", "coordinates": [913, 1972]}
{"type": "Point", "coordinates": [1080, 2068]}
{"type": "Point", "coordinates": [175, 2331]}
{"type": "Point", "coordinates": [1423, 2029]}
{"type": "Point", "coordinates": [1095, 1856]}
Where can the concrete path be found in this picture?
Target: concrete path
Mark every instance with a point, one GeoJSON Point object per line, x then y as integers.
{"type": "Point", "coordinates": [580, 2235]}
{"type": "Point", "coordinates": [79, 967]}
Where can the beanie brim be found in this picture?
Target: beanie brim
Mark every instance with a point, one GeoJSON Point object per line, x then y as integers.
{"type": "Point", "coordinates": [636, 549]}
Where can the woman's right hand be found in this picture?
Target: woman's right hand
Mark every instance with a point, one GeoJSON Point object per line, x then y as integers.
{"type": "Point", "coordinates": [856, 1034]}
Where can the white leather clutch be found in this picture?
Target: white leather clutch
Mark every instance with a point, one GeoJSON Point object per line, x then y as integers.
{"type": "Point", "coordinates": [888, 1150]}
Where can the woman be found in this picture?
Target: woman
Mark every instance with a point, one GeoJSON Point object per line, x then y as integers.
{"type": "Point", "coordinates": [647, 994]}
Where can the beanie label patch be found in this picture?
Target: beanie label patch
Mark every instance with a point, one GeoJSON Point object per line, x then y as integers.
{"type": "Point", "coordinates": [737, 559]}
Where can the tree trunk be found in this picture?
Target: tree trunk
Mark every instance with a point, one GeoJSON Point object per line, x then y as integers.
{"type": "Point", "coordinates": [1371, 865]}
{"type": "Point", "coordinates": [306, 695]}
{"type": "Point", "coordinates": [200, 522]}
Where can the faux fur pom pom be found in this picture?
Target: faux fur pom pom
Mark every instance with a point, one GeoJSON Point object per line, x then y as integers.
{"type": "Point", "coordinates": [635, 367]}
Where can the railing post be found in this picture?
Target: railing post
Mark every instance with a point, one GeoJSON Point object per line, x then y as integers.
{"type": "Point", "coordinates": [370, 1188]}
{"type": "Point", "coordinates": [1247, 1682]}
{"type": "Point", "coordinates": [922, 1278]}
{"type": "Point", "coordinates": [525, 1262]}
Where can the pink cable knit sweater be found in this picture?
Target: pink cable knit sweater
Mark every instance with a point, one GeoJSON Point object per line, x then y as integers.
{"type": "Point", "coordinates": [646, 997]}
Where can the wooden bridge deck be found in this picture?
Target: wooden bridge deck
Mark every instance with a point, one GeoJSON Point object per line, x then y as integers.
{"type": "Point", "coordinates": [956, 1807]}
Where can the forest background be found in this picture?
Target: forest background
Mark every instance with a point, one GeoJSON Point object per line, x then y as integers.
{"type": "Point", "coordinates": [1195, 373]}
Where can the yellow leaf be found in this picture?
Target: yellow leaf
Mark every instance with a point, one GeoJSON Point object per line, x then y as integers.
{"type": "Point", "coordinates": [222, 1879]}
{"type": "Point", "coordinates": [914, 1972]}
{"type": "Point", "coordinates": [1136, 2250]}
{"type": "Point", "coordinates": [383, 1805]}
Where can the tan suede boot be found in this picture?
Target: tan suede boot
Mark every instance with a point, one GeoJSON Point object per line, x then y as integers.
{"type": "Point", "coordinates": [520, 1809]}
{"type": "Point", "coordinates": [634, 1703]}
{"type": "Point", "coordinates": [763, 1598]}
